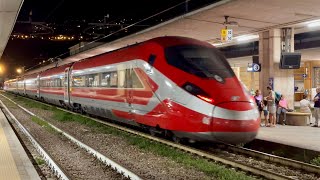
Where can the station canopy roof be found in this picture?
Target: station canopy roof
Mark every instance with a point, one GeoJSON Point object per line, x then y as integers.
{"type": "Point", "coordinates": [9, 10]}
{"type": "Point", "coordinates": [252, 17]}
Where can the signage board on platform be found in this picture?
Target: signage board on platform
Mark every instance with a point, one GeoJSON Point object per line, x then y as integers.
{"type": "Point", "coordinates": [226, 35]}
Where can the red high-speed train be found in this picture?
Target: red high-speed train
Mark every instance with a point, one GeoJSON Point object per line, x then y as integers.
{"type": "Point", "coordinates": [178, 86]}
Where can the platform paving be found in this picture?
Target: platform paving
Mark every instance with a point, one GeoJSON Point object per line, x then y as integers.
{"type": "Point", "coordinates": [305, 137]}
{"type": "Point", "coordinates": [14, 162]}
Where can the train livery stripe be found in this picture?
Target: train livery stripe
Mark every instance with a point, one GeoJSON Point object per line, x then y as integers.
{"type": "Point", "coordinates": [164, 89]}
{"type": "Point", "coordinates": [235, 115]}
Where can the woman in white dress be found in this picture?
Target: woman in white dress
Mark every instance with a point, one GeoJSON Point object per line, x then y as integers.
{"type": "Point", "coordinates": [305, 107]}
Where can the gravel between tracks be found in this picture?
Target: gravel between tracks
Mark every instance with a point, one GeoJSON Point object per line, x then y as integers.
{"type": "Point", "coordinates": [145, 164]}
{"type": "Point", "coordinates": [45, 171]}
{"type": "Point", "coordinates": [284, 170]}
{"type": "Point", "coordinates": [78, 163]}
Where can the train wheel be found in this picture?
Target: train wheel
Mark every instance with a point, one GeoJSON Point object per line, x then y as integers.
{"type": "Point", "coordinates": [176, 139]}
{"type": "Point", "coordinates": [83, 112]}
{"type": "Point", "coordinates": [153, 131]}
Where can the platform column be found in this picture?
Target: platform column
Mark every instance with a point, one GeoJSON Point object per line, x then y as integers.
{"type": "Point", "coordinates": [271, 43]}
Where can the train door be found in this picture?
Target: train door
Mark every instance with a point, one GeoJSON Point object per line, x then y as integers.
{"type": "Point", "coordinates": [24, 86]}
{"type": "Point", "coordinates": [129, 92]}
{"type": "Point", "coordinates": [66, 85]}
{"type": "Point", "coordinates": [38, 86]}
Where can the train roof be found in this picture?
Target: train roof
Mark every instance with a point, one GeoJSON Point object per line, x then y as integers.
{"type": "Point", "coordinates": [164, 41]}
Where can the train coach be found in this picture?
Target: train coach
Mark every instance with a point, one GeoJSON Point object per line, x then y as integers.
{"type": "Point", "coordinates": [181, 87]}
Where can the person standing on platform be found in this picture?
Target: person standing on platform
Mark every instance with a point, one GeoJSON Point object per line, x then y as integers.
{"type": "Point", "coordinates": [265, 113]}
{"type": "Point", "coordinates": [316, 100]}
{"type": "Point", "coordinates": [259, 101]}
{"type": "Point", "coordinates": [305, 107]}
{"type": "Point", "coordinates": [282, 108]}
{"type": "Point", "coordinates": [271, 106]}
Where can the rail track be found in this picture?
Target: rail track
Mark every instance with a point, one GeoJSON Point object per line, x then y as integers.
{"type": "Point", "coordinates": [263, 172]}
{"type": "Point", "coordinates": [273, 158]}
{"type": "Point", "coordinates": [58, 171]}
{"type": "Point", "coordinates": [53, 165]}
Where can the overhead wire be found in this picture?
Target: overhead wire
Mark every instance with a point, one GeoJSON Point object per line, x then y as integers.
{"type": "Point", "coordinates": [52, 11]}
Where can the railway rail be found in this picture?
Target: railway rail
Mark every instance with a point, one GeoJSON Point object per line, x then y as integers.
{"type": "Point", "coordinates": [54, 166]}
{"type": "Point", "coordinates": [269, 174]}
{"type": "Point", "coordinates": [273, 158]}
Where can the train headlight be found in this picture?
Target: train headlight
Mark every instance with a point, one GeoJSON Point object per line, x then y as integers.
{"type": "Point", "coordinates": [196, 91]}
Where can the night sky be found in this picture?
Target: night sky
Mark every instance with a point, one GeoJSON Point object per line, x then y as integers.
{"type": "Point", "coordinates": [75, 18]}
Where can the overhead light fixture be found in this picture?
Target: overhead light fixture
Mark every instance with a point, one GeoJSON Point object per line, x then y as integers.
{"type": "Point", "coordinates": [314, 24]}
{"type": "Point", "coordinates": [217, 44]}
{"type": "Point", "coordinates": [246, 37]}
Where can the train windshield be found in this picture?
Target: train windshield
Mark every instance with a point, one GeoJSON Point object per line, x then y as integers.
{"type": "Point", "coordinates": [201, 61]}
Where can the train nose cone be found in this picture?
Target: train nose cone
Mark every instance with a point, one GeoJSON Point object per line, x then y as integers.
{"type": "Point", "coordinates": [235, 125]}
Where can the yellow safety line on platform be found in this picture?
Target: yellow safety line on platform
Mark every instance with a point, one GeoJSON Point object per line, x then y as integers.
{"type": "Point", "coordinates": [8, 168]}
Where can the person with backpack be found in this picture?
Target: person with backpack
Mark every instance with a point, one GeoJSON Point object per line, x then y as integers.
{"type": "Point", "coordinates": [282, 109]}
{"type": "Point", "coordinates": [277, 97]}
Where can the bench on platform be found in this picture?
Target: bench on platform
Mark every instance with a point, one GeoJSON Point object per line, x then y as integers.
{"type": "Point", "coordinates": [297, 118]}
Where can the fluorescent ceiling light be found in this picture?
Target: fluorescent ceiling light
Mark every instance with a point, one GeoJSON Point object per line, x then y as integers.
{"type": "Point", "coordinates": [314, 23]}
{"type": "Point", "coordinates": [246, 37]}
{"type": "Point", "coordinates": [217, 44]}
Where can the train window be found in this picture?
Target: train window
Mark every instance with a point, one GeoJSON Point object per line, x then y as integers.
{"type": "Point", "coordinates": [79, 81]}
{"type": "Point", "coordinates": [136, 83]}
{"type": "Point", "coordinates": [151, 59]}
{"type": "Point", "coordinates": [93, 80]}
{"type": "Point", "coordinates": [41, 83]}
{"type": "Point", "coordinates": [96, 81]}
{"type": "Point", "coordinates": [65, 81]}
{"type": "Point", "coordinates": [59, 82]}
{"type": "Point", "coordinates": [54, 83]}
{"type": "Point", "coordinates": [90, 80]}
{"type": "Point", "coordinates": [62, 82]}
{"type": "Point", "coordinates": [105, 79]}
{"type": "Point", "coordinates": [121, 78]}
{"type": "Point", "coordinates": [113, 79]}
{"type": "Point", "coordinates": [198, 60]}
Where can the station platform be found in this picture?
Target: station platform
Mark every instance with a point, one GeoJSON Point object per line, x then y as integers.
{"type": "Point", "coordinates": [14, 162]}
{"type": "Point", "coordinates": [305, 137]}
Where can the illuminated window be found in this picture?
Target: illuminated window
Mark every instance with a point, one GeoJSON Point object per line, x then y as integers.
{"type": "Point", "coordinates": [93, 80]}
{"type": "Point", "coordinates": [136, 81]}
{"type": "Point", "coordinates": [121, 78]}
{"type": "Point", "coordinates": [113, 79]}
{"type": "Point", "coordinates": [105, 79]}
{"type": "Point", "coordinates": [79, 81]}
